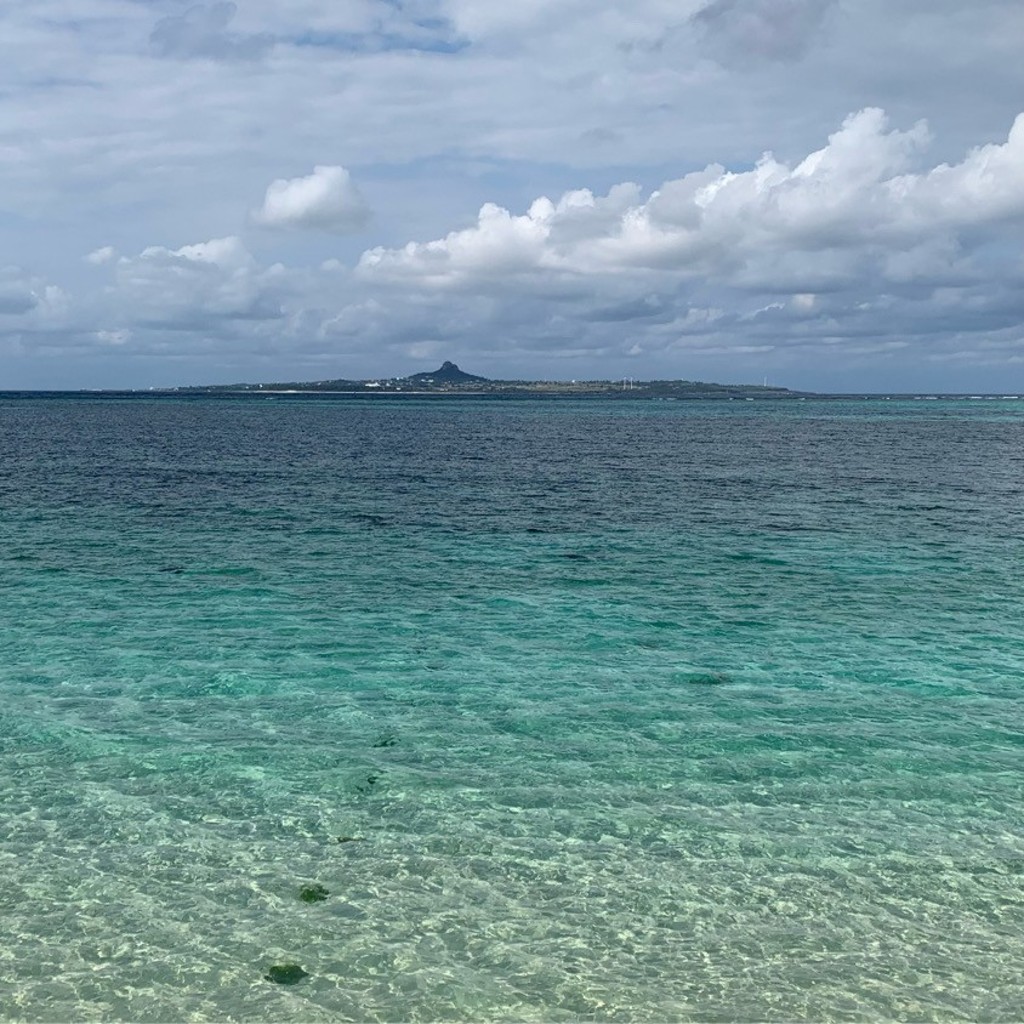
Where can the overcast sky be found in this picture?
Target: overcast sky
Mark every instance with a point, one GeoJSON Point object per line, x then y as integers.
{"type": "Point", "coordinates": [826, 193]}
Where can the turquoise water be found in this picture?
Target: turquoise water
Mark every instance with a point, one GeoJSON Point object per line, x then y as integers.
{"type": "Point", "coordinates": [633, 711]}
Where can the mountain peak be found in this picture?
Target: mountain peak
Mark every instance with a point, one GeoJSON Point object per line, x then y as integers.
{"type": "Point", "coordinates": [449, 373]}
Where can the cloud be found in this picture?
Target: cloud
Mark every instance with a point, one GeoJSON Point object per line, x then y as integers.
{"type": "Point", "coordinates": [202, 31]}
{"type": "Point", "coordinates": [195, 286]}
{"type": "Point", "coordinates": [28, 300]}
{"type": "Point", "coordinates": [738, 31]}
{"type": "Point", "coordinates": [327, 199]}
{"type": "Point", "coordinates": [113, 338]}
{"type": "Point", "coordinates": [18, 294]}
{"type": "Point", "coordinates": [809, 227]}
{"type": "Point", "coordinates": [100, 256]}
{"type": "Point", "coordinates": [858, 251]}
{"type": "Point", "coordinates": [502, 244]}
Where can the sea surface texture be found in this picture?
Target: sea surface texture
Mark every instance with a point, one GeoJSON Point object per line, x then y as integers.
{"type": "Point", "coordinates": [575, 711]}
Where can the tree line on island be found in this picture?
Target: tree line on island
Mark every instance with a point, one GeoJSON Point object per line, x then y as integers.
{"type": "Point", "coordinates": [449, 379]}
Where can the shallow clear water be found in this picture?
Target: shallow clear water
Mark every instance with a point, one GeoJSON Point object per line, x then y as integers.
{"type": "Point", "coordinates": [636, 711]}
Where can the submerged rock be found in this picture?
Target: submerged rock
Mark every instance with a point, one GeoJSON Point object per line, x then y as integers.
{"type": "Point", "coordinates": [370, 781]}
{"type": "Point", "coordinates": [313, 893]}
{"type": "Point", "coordinates": [286, 974]}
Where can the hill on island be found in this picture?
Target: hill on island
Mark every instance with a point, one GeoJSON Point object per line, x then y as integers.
{"type": "Point", "coordinates": [448, 374]}
{"type": "Point", "coordinates": [448, 379]}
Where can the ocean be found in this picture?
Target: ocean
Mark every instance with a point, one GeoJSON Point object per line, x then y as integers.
{"type": "Point", "coordinates": [511, 710]}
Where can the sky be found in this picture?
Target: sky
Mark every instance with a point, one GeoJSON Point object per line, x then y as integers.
{"type": "Point", "coordinates": [827, 194]}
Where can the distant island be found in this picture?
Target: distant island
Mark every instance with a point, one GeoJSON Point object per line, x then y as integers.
{"type": "Point", "coordinates": [448, 379]}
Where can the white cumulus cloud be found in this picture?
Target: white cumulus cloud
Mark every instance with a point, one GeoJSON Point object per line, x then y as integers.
{"type": "Point", "coordinates": [801, 228]}
{"type": "Point", "coordinates": [327, 199]}
{"type": "Point", "coordinates": [196, 285]}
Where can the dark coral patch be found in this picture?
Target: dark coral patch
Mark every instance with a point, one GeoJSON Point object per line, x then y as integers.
{"type": "Point", "coordinates": [313, 893]}
{"type": "Point", "coordinates": [286, 974]}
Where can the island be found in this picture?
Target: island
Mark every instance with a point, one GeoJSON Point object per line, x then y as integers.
{"type": "Point", "coordinates": [448, 379]}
